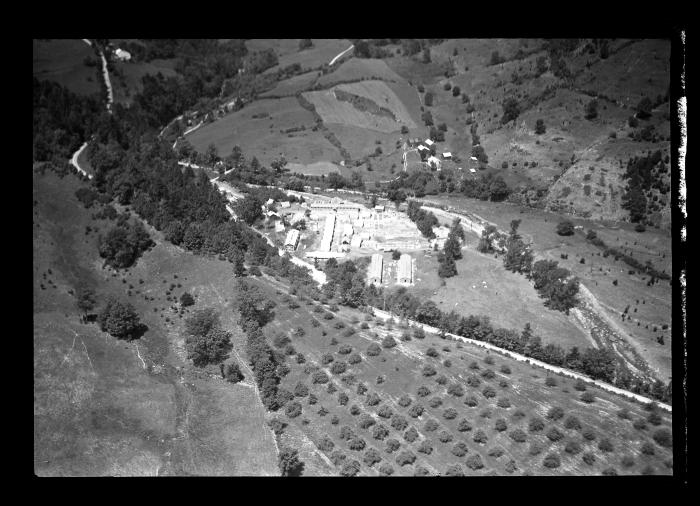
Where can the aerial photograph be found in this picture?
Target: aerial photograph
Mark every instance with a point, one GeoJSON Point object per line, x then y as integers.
{"type": "Point", "coordinates": [356, 257]}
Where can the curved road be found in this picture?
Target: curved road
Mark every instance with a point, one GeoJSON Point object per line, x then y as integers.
{"type": "Point", "coordinates": [341, 54]}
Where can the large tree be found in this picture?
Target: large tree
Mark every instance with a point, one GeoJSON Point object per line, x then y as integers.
{"type": "Point", "coordinates": [119, 319]}
{"type": "Point", "coordinates": [289, 463]}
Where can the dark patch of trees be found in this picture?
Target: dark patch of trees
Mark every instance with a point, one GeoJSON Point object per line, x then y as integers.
{"type": "Point", "coordinates": [119, 319]}
{"type": "Point", "coordinates": [124, 243]}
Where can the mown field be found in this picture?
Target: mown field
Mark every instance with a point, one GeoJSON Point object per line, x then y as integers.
{"type": "Point", "coordinates": [62, 60]}
{"type": "Point", "coordinates": [105, 407]}
{"type": "Point", "coordinates": [333, 110]}
{"type": "Point", "coordinates": [460, 411]}
{"type": "Point", "coordinates": [264, 136]}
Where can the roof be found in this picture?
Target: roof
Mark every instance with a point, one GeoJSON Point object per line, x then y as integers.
{"type": "Point", "coordinates": [405, 267]}
{"type": "Point", "coordinates": [292, 237]}
{"type": "Point", "coordinates": [474, 158]}
{"type": "Point", "coordinates": [472, 170]}
{"type": "Point", "coordinates": [375, 266]}
{"type": "Point", "coordinates": [423, 148]}
{"type": "Point", "coordinates": [447, 154]}
{"type": "Point", "coordinates": [429, 142]}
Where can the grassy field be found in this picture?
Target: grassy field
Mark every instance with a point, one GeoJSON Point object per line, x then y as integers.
{"type": "Point", "coordinates": [520, 395]}
{"type": "Point", "coordinates": [322, 52]}
{"type": "Point", "coordinates": [262, 136]}
{"type": "Point", "coordinates": [109, 407]}
{"type": "Point", "coordinates": [650, 305]}
{"type": "Point", "coordinates": [293, 85]}
{"type": "Point", "coordinates": [61, 60]}
{"type": "Point", "coordinates": [126, 81]}
{"type": "Point", "coordinates": [381, 94]}
{"type": "Point", "coordinates": [360, 68]}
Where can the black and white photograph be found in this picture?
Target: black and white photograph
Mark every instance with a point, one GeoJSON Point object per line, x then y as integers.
{"type": "Point", "coordinates": [426, 257]}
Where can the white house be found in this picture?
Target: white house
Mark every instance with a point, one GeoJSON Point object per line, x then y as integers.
{"type": "Point", "coordinates": [374, 273]}
{"type": "Point", "coordinates": [290, 244]}
{"type": "Point", "coordinates": [122, 55]}
{"type": "Point", "coordinates": [429, 142]}
{"type": "Point", "coordinates": [404, 270]}
{"type": "Point", "coordinates": [473, 171]}
{"type": "Point", "coordinates": [447, 155]}
{"type": "Point", "coordinates": [434, 161]}
{"type": "Point", "coordinates": [423, 148]}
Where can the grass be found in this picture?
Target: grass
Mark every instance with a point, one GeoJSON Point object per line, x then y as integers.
{"type": "Point", "coordinates": [322, 52]}
{"type": "Point", "coordinates": [360, 68]}
{"type": "Point", "coordinates": [401, 366]}
{"type": "Point", "coordinates": [293, 85]}
{"type": "Point", "coordinates": [261, 137]}
{"type": "Point", "coordinates": [97, 410]}
{"type": "Point", "coordinates": [61, 60]}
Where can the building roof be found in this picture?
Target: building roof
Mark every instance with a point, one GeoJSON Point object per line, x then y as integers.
{"type": "Point", "coordinates": [375, 266]}
{"type": "Point", "coordinates": [447, 154]}
{"type": "Point", "coordinates": [472, 170]}
{"type": "Point", "coordinates": [429, 142]}
{"type": "Point", "coordinates": [424, 148]}
{"type": "Point", "coordinates": [405, 267]}
{"type": "Point", "coordinates": [292, 238]}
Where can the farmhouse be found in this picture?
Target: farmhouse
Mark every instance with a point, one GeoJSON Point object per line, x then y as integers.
{"type": "Point", "coordinates": [122, 55]}
{"type": "Point", "coordinates": [279, 226]}
{"type": "Point", "coordinates": [429, 142]}
{"type": "Point", "coordinates": [447, 155]}
{"type": "Point", "coordinates": [285, 204]}
{"type": "Point", "coordinates": [434, 162]}
{"type": "Point", "coordinates": [405, 270]}
{"type": "Point", "coordinates": [290, 244]}
{"type": "Point", "coordinates": [473, 171]}
{"type": "Point", "coordinates": [374, 272]}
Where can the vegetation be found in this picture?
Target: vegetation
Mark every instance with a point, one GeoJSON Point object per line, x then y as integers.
{"type": "Point", "coordinates": [120, 319]}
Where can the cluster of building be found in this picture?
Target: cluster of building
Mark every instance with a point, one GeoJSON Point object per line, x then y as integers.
{"type": "Point", "coordinates": [404, 270]}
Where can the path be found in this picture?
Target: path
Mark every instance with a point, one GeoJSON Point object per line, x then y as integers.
{"type": "Point", "coordinates": [74, 161]}
{"type": "Point", "coordinates": [341, 55]}
{"type": "Point", "coordinates": [105, 74]}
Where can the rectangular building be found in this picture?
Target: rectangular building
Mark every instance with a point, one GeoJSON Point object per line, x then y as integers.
{"type": "Point", "coordinates": [290, 244]}
{"type": "Point", "coordinates": [328, 230]}
{"type": "Point", "coordinates": [404, 271]}
{"type": "Point", "coordinates": [374, 272]}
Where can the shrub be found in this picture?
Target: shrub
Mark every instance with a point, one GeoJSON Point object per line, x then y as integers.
{"type": "Point", "coordinates": [503, 402]}
{"type": "Point", "coordinates": [431, 425]}
{"type": "Point", "coordinates": [339, 367]}
{"type": "Point", "coordinates": [313, 399]}
{"type": "Point", "coordinates": [550, 381]}
{"type": "Point", "coordinates": [425, 447]}
{"type": "Point", "coordinates": [535, 449]}
{"type": "Point", "coordinates": [421, 471]}
{"type": "Point", "coordinates": [587, 397]}
{"type": "Point", "coordinates": [473, 381]}
{"type": "Point", "coordinates": [385, 412]}
{"type": "Point", "coordinates": [454, 470]}
{"type": "Point", "coordinates": [588, 434]}
{"type": "Point", "coordinates": [489, 392]}
{"type": "Point", "coordinates": [565, 228]}
{"type": "Point", "coordinates": [627, 461]}
{"type": "Point", "coordinates": [624, 413]}
{"type": "Point", "coordinates": [488, 374]}
{"type": "Point", "coordinates": [326, 444]}
{"type": "Point", "coordinates": [505, 369]}
{"type": "Point", "coordinates": [460, 449]}
{"type": "Point", "coordinates": [373, 350]}
{"type": "Point", "coordinates": [536, 424]}
{"type": "Point", "coordinates": [663, 438]}
{"type": "Point", "coordinates": [319, 377]}
{"type": "Point", "coordinates": [480, 437]}
{"type": "Point", "coordinates": [388, 342]}
{"type": "Point", "coordinates": [573, 447]}
{"type": "Point", "coordinates": [449, 414]}
{"type": "Point", "coordinates": [474, 462]}
{"type": "Point", "coordinates": [380, 380]}
{"type": "Point", "coordinates": [343, 398]}
{"type": "Point", "coordinates": [572, 422]}
{"type": "Point", "coordinates": [518, 435]}
{"type": "Point", "coordinates": [654, 418]}
{"type": "Point", "coordinates": [485, 413]}
{"type": "Point", "coordinates": [371, 457]}
{"type": "Point", "coordinates": [327, 358]}
{"type": "Point", "coordinates": [551, 461]}
{"type": "Point", "coordinates": [435, 402]}
{"type": "Point", "coordinates": [301, 390]}
{"type": "Point", "coordinates": [423, 391]}
{"type": "Point", "coordinates": [555, 413]}
{"type": "Point", "coordinates": [432, 352]}
{"type": "Point", "coordinates": [518, 414]}
{"type": "Point", "coordinates": [335, 420]}
{"type": "Point", "coordinates": [346, 433]}
{"type": "Point", "coordinates": [411, 435]}
{"type": "Point", "coordinates": [447, 363]}
{"type": "Point", "coordinates": [474, 365]}
{"type": "Point", "coordinates": [648, 448]}
{"type": "Point", "coordinates": [605, 445]}
{"type": "Point", "coordinates": [380, 432]}
{"type": "Point", "coordinates": [355, 358]}
{"type": "Point", "coordinates": [640, 424]}
{"type": "Point", "coordinates": [501, 425]}
{"type": "Point", "coordinates": [496, 452]}
{"type": "Point", "coordinates": [392, 445]}
{"type": "Point", "coordinates": [554, 434]}
{"type": "Point", "coordinates": [404, 401]}
{"type": "Point", "coordinates": [373, 399]}
{"type": "Point", "coordinates": [354, 410]}
{"type": "Point", "coordinates": [405, 458]}
{"type": "Point", "coordinates": [648, 470]}
{"type": "Point", "coordinates": [331, 389]}
{"type": "Point", "coordinates": [471, 401]}
{"type": "Point", "coordinates": [456, 390]}
{"type": "Point", "coordinates": [345, 349]}
{"type": "Point", "coordinates": [428, 370]}
{"type": "Point", "coordinates": [415, 411]}
{"type": "Point", "coordinates": [609, 471]}
{"type": "Point", "coordinates": [357, 444]}
{"type": "Point", "coordinates": [580, 385]}
{"type": "Point", "coordinates": [293, 409]}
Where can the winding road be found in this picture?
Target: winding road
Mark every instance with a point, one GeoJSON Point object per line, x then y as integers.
{"type": "Point", "coordinates": [340, 55]}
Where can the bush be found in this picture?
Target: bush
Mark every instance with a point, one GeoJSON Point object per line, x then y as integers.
{"type": "Point", "coordinates": [587, 397]}
{"type": "Point", "coordinates": [535, 449]}
{"type": "Point", "coordinates": [654, 418]}
{"type": "Point", "coordinates": [640, 424]}
{"type": "Point", "coordinates": [345, 349]}
{"type": "Point", "coordinates": [460, 449]}
{"type": "Point", "coordinates": [319, 377]}
{"type": "Point", "coordinates": [572, 423]}
{"type": "Point", "coordinates": [518, 435]}
{"type": "Point", "coordinates": [648, 448]}
{"type": "Point", "coordinates": [343, 398]}
{"type": "Point", "coordinates": [339, 367]}
{"type": "Point", "coordinates": [456, 390]}
{"type": "Point", "coordinates": [435, 402]}
{"type": "Point", "coordinates": [488, 374]}
{"type": "Point", "coordinates": [627, 461]}
{"type": "Point", "coordinates": [551, 461]}
{"type": "Point", "coordinates": [335, 420]}
{"type": "Point", "coordinates": [423, 391]}
{"type": "Point", "coordinates": [565, 228]}
{"type": "Point", "coordinates": [425, 447]}
{"type": "Point", "coordinates": [350, 469]}
{"type": "Point", "coordinates": [327, 358]}
{"type": "Point", "coordinates": [385, 412]}
{"type": "Point", "coordinates": [580, 385]}
{"type": "Point", "coordinates": [372, 456]}
{"type": "Point", "coordinates": [550, 381]}
{"type": "Point", "coordinates": [555, 413]}
{"type": "Point", "coordinates": [373, 399]}
{"type": "Point", "coordinates": [293, 409]}
{"type": "Point", "coordinates": [373, 350]}
{"type": "Point", "coordinates": [415, 411]}
{"type": "Point", "coordinates": [496, 452]}
{"type": "Point", "coordinates": [588, 434]}
{"type": "Point", "coordinates": [474, 365]}
{"type": "Point", "coordinates": [355, 410]}
{"type": "Point", "coordinates": [663, 438]}
{"type": "Point", "coordinates": [380, 432]}
{"type": "Point", "coordinates": [431, 425]}
{"type": "Point", "coordinates": [624, 413]}
{"type": "Point", "coordinates": [326, 444]}
{"type": "Point", "coordinates": [449, 414]}
{"type": "Point", "coordinates": [501, 425]}
{"type": "Point", "coordinates": [536, 424]}
{"type": "Point", "coordinates": [489, 392]}
{"type": "Point", "coordinates": [301, 390]}
{"type": "Point", "coordinates": [404, 401]}
{"type": "Point", "coordinates": [505, 369]}
{"type": "Point", "coordinates": [474, 462]}
{"type": "Point", "coordinates": [432, 352]}
{"type": "Point", "coordinates": [428, 370]}
{"type": "Point", "coordinates": [471, 401]}
{"type": "Point", "coordinates": [405, 458]}
{"type": "Point", "coordinates": [609, 471]}
{"type": "Point", "coordinates": [573, 447]}
{"type": "Point", "coordinates": [554, 434]}
{"type": "Point", "coordinates": [388, 342]}
{"type": "Point", "coordinates": [411, 435]}
{"type": "Point", "coordinates": [357, 444]}
{"type": "Point", "coordinates": [480, 437]}
{"type": "Point", "coordinates": [473, 381]}
{"type": "Point", "coordinates": [605, 445]}
{"type": "Point", "coordinates": [503, 402]}
{"type": "Point", "coordinates": [392, 445]}
{"type": "Point", "coordinates": [346, 433]}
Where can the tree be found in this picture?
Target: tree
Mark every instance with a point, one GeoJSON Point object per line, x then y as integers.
{"type": "Point", "coordinates": [644, 108]}
{"type": "Point", "coordinates": [249, 209]}
{"type": "Point", "coordinates": [85, 299]}
{"type": "Point", "coordinates": [565, 228]}
{"type": "Point", "coordinates": [540, 127]}
{"type": "Point", "coordinates": [210, 348]}
{"type": "Point", "coordinates": [305, 44]}
{"type": "Point", "coordinates": [592, 110]}
{"type": "Point", "coordinates": [289, 463]}
{"type": "Point", "coordinates": [119, 319]}
{"type": "Point", "coordinates": [511, 110]}
{"type": "Point", "coordinates": [426, 55]}
{"type": "Point", "coordinates": [212, 154]}
{"type": "Point", "coordinates": [456, 91]}
{"type": "Point", "coordinates": [254, 305]}
{"type": "Point", "coordinates": [186, 300]}
{"type": "Point", "coordinates": [202, 322]}
{"type": "Point", "coordinates": [233, 373]}
{"type": "Point", "coordinates": [428, 99]}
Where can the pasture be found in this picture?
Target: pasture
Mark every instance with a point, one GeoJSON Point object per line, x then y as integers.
{"type": "Point", "coordinates": [264, 137]}
{"type": "Point", "coordinates": [62, 60]}
{"type": "Point", "coordinates": [386, 415]}
{"type": "Point", "coordinates": [322, 52]}
{"type": "Point", "coordinates": [105, 407]}
{"type": "Point", "coordinates": [354, 69]}
{"type": "Point", "coordinates": [293, 85]}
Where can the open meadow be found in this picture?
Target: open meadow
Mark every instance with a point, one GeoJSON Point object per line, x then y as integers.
{"type": "Point", "coordinates": [63, 61]}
